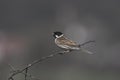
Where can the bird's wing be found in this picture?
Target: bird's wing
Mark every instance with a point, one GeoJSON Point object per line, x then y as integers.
{"type": "Point", "coordinates": [65, 41]}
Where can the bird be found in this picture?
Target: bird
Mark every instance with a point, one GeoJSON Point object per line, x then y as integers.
{"type": "Point", "coordinates": [66, 44]}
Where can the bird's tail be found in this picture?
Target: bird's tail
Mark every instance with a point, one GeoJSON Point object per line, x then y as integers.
{"type": "Point", "coordinates": [85, 51]}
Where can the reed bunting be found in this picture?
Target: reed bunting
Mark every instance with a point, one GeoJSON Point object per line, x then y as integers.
{"type": "Point", "coordinates": [67, 44]}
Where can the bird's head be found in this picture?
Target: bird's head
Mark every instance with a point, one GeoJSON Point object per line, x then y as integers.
{"type": "Point", "coordinates": [57, 34]}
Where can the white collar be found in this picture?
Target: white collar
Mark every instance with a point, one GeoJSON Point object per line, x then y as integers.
{"type": "Point", "coordinates": [59, 36]}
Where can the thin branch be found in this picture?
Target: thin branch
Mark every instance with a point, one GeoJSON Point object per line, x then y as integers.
{"type": "Point", "coordinates": [38, 61]}
{"type": "Point", "coordinates": [11, 78]}
{"type": "Point", "coordinates": [26, 71]}
{"type": "Point", "coordinates": [32, 77]}
{"type": "Point", "coordinates": [12, 68]}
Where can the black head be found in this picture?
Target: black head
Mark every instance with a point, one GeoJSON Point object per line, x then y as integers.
{"type": "Point", "coordinates": [57, 34]}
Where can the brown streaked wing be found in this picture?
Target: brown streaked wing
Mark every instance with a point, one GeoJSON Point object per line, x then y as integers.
{"type": "Point", "coordinates": [65, 41]}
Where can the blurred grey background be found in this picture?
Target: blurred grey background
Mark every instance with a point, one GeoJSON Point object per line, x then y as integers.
{"type": "Point", "coordinates": [26, 28]}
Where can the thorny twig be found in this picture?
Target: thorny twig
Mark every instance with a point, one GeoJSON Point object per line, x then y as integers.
{"type": "Point", "coordinates": [38, 61]}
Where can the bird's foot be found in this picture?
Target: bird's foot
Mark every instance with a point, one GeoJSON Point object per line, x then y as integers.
{"type": "Point", "coordinates": [65, 51]}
